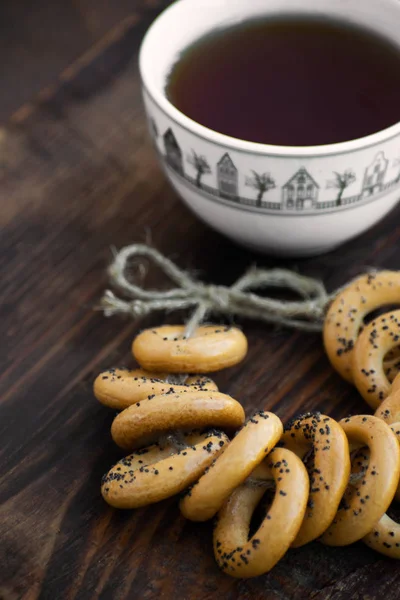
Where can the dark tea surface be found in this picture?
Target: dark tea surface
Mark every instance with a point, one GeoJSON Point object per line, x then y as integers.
{"type": "Point", "coordinates": [292, 81]}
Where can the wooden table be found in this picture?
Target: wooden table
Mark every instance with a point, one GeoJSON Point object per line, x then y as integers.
{"type": "Point", "coordinates": [78, 176]}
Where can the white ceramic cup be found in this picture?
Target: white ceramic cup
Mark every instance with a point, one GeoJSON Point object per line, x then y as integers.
{"type": "Point", "coordinates": [309, 209]}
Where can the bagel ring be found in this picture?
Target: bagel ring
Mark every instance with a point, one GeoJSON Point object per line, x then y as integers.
{"type": "Point", "coordinates": [330, 470]}
{"type": "Point", "coordinates": [155, 473]}
{"type": "Point", "coordinates": [391, 363]}
{"type": "Point", "coordinates": [365, 502]}
{"type": "Point", "coordinates": [120, 388]}
{"type": "Point", "coordinates": [209, 349]}
{"type": "Point", "coordinates": [142, 425]}
{"type": "Point", "coordinates": [235, 553]}
{"type": "Point", "coordinates": [389, 411]}
{"type": "Point", "coordinates": [247, 449]}
{"type": "Point", "coordinates": [385, 537]}
{"type": "Point", "coordinates": [376, 340]}
{"type": "Point", "coordinates": [345, 316]}
{"type": "Point", "coordinates": [396, 384]}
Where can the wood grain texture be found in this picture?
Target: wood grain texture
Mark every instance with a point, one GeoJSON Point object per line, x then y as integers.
{"type": "Point", "coordinates": [39, 39]}
{"type": "Point", "coordinates": [78, 176]}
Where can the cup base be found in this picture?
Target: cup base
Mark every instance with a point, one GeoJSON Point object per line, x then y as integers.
{"type": "Point", "coordinates": [284, 235]}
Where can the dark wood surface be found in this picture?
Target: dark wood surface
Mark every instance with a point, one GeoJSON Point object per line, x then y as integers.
{"type": "Point", "coordinates": [39, 39]}
{"type": "Point", "coordinates": [78, 176]}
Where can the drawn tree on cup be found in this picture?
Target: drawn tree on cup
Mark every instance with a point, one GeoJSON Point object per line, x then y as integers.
{"type": "Point", "coordinates": [200, 163]}
{"type": "Point", "coordinates": [341, 182]}
{"type": "Point", "coordinates": [262, 182]}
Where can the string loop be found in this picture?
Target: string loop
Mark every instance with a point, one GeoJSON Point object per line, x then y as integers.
{"type": "Point", "coordinates": [240, 299]}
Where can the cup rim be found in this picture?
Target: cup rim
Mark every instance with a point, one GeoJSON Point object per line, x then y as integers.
{"type": "Point", "coordinates": [374, 139]}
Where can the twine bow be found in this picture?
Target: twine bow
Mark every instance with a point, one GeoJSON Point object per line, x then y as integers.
{"type": "Point", "coordinates": [305, 314]}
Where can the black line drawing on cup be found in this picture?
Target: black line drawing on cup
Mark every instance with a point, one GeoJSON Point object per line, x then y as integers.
{"type": "Point", "coordinates": [173, 152]}
{"type": "Point", "coordinates": [200, 163]}
{"type": "Point", "coordinates": [374, 176]}
{"type": "Point", "coordinates": [300, 192]}
{"type": "Point", "coordinates": [340, 182]}
{"type": "Point", "coordinates": [227, 177]}
{"type": "Point", "coordinates": [262, 182]}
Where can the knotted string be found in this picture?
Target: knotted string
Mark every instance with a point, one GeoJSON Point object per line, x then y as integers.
{"type": "Point", "coordinates": [306, 314]}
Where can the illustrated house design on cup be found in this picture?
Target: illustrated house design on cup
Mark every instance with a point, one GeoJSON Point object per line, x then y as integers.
{"type": "Point", "coordinates": [227, 177]}
{"type": "Point", "coordinates": [300, 192]}
{"type": "Point", "coordinates": [375, 175]}
{"type": "Point", "coordinates": [173, 153]}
